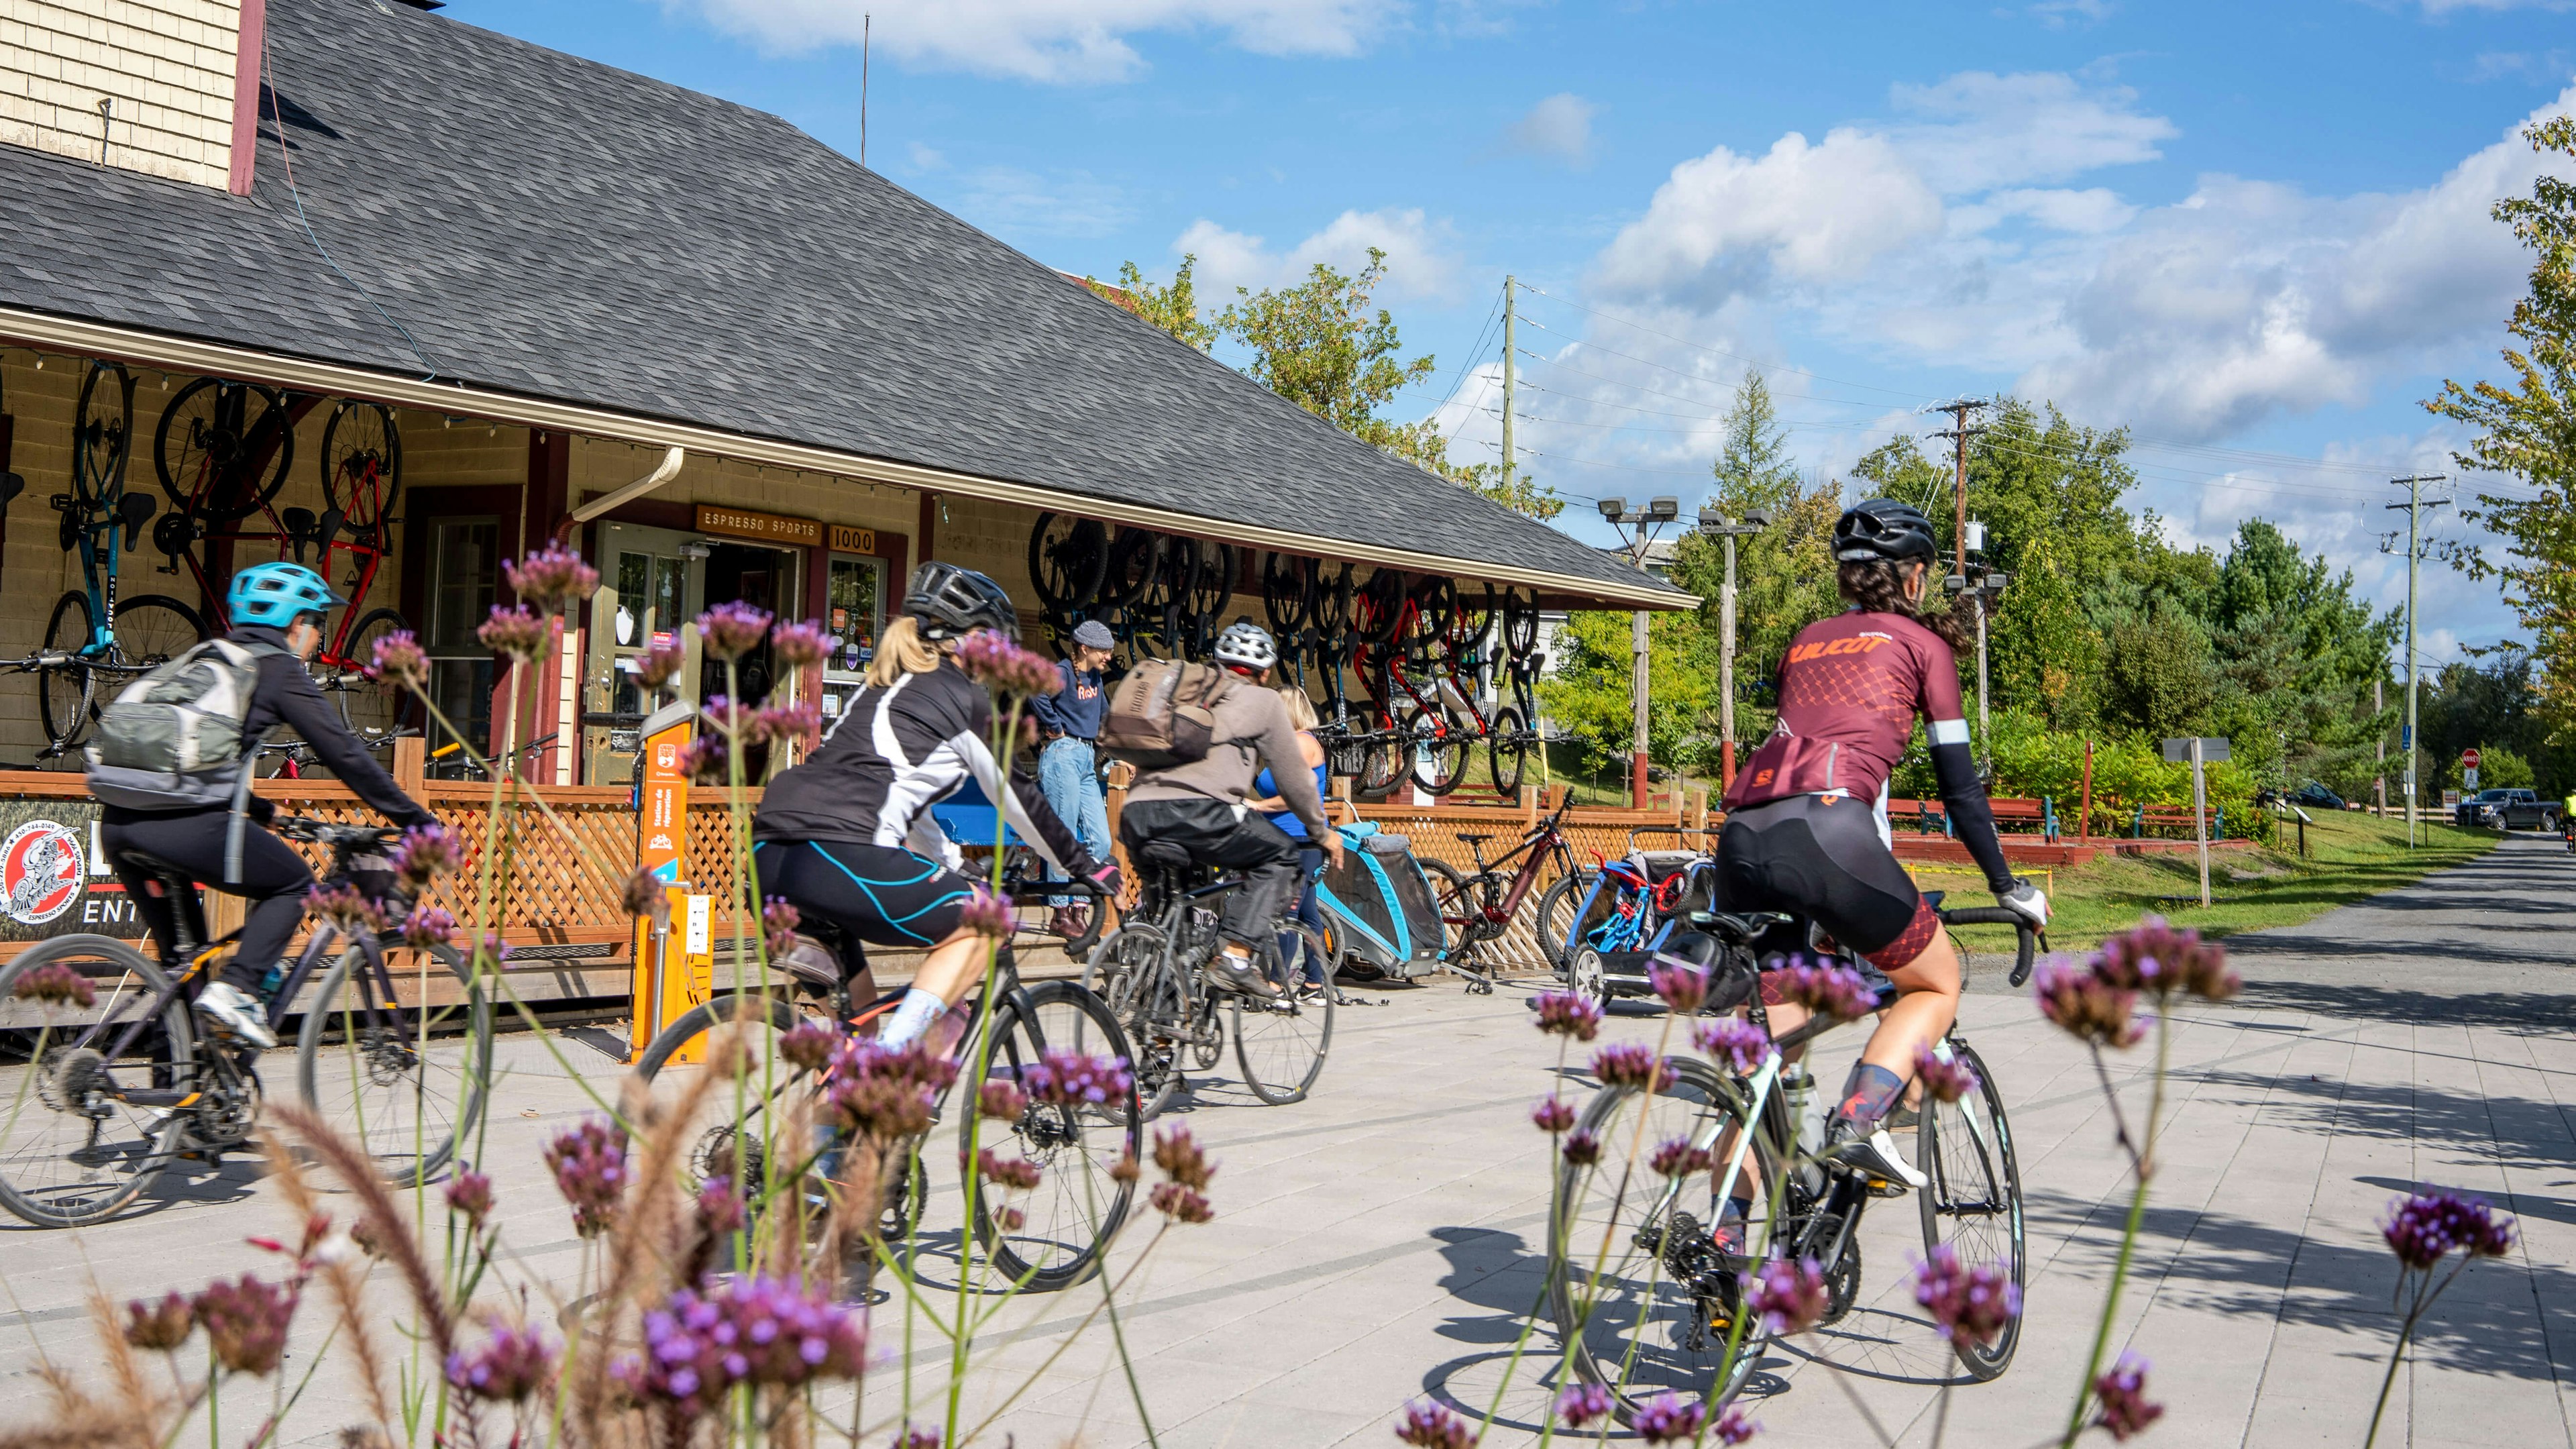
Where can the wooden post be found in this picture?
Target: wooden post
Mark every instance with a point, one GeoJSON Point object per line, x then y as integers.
{"type": "Point", "coordinates": [2084, 821]}
{"type": "Point", "coordinates": [1696, 815]}
{"type": "Point", "coordinates": [411, 763]}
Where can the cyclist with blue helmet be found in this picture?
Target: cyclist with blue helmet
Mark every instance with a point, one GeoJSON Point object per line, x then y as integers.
{"type": "Point", "coordinates": [277, 611]}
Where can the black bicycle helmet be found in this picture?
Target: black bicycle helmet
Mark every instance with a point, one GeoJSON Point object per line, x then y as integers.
{"type": "Point", "coordinates": [1883, 528]}
{"type": "Point", "coordinates": [951, 601]}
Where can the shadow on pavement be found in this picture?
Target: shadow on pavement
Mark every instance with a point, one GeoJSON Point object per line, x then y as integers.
{"type": "Point", "coordinates": [2516, 1013]}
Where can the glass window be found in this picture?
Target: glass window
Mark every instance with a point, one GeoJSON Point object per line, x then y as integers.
{"type": "Point", "coordinates": [464, 583]}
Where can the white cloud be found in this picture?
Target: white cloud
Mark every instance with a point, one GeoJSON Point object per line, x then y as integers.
{"type": "Point", "coordinates": [1419, 262]}
{"type": "Point", "coordinates": [1012, 203]}
{"type": "Point", "coordinates": [1047, 40]}
{"type": "Point", "coordinates": [2059, 14]}
{"type": "Point", "coordinates": [1979, 130]}
{"type": "Point", "coordinates": [925, 158]}
{"type": "Point", "coordinates": [1559, 126]}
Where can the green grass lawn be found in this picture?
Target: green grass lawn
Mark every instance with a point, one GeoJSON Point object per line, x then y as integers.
{"type": "Point", "coordinates": [2354, 856]}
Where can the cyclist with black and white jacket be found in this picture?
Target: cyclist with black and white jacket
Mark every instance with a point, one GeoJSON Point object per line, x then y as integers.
{"type": "Point", "coordinates": [847, 836]}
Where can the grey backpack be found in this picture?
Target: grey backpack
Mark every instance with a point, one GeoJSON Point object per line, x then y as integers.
{"type": "Point", "coordinates": [177, 738]}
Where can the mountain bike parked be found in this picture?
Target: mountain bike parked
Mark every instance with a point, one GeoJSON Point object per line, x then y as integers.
{"type": "Point", "coordinates": [1480, 906]}
{"type": "Point", "coordinates": [1149, 970]}
{"type": "Point", "coordinates": [1647, 1299]}
{"type": "Point", "coordinates": [223, 451]}
{"type": "Point", "coordinates": [101, 640]}
{"type": "Point", "coordinates": [96, 1108]}
{"type": "Point", "coordinates": [1079, 1202]}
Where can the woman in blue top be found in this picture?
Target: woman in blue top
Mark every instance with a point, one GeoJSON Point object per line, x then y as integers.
{"type": "Point", "coordinates": [1310, 856]}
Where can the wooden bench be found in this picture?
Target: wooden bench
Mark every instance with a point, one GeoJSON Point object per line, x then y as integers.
{"type": "Point", "coordinates": [2176, 818]}
{"type": "Point", "coordinates": [1929, 816]}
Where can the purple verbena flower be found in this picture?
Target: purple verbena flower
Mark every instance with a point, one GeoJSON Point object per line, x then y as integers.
{"type": "Point", "coordinates": [779, 919]}
{"type": "Point", "coordinates": [246, 1322]}
{"type": "Point", "coordinates": [660, 663]}
{"type": "Point", "coordinates": [731, 630]}
{"type": "Point", "coordinates": [1582, 1148]}
{"type": "Point", "coordinates": [997, 662]}
{"type": "Point", "coordinates": [516, 1362]}
{"type": "Point", "coordinates": [1069, 1079]}
{"type": "Point", "coordinates": [589, 1164]}
{"type": "Point", "coordinates": [2423, 1228]}
{"type": "Point", "coordinates": [1826, 989]}
{"type": "Point", "coordinates": [1552, 1114]}
{"type": "Point", "coordinates": [1180, 1157]}
{"type": "Point", "coordinates": [2087, 1007]}
{"type": "Point", "coordinates": [1582, 1404]}
{"type": "Point", "coordinates": [400, 661]}
{"type": "Point", "coordinates": [1679, 1157]}
{"type": "Point", "coordinates": [916, 1436]}
{"type": "Point", "coordinates": [1007, 1172]}
{"type": "Point", "coordinates": [552, 579]}
{"type": "Point", "coordinates": [809, 1045]}
{"type": "Point", "coordinates": [2157, 960]}
{"type": "Point", "coordinates": [164, 1325]}
{"type": "Point", "coordinates": [1733, 1427]}
{"type": "Point", "coordinates": [770, 1331]}
{"type": "Point", "coordinates": [887, 1095]}
{"type": "Point", "coordinates": [427, 927]}
{"type": "Point", "coordinates": [1788, 1296]}
{"type": "Point", "coordinates": [1944, 1078]}
{"type": "Point", "coordinates": [1001, 1101]}
{"type": "Point", "coordinates": [645, 894]}
{"type": "Point", "coordinates": [56, 984]}
{"type": "Point", "coordinates": [1669, 1419]}
{"type": "Point", "coordinates": [424, 853]}
{"type": "Point", "coordinates": [346, 908]}
{"type": "Point", "coordinates": [1427, 1425]}
{"type": "Point", "coordinates": [721, 1209]}
{"type": "Point", "coordinates": [1682, 984]}
{"type": "Point", "coordinates": [516, 632]}
{"type": "Point", "coordinates": [797, 645]}
{"type": "Point", "coordinates": [988, 914]}
{"type": "Point", "coordinates": [800, 724]}
{"type": "Point", "coordinates": [1971, 1305]}
{"type": "Point", "coordinates": [705, 759]}
{"type": "Point", "coordinates": [1733, 1043]}
{"type": "Point", "coordinates": [492, 950]}
{"type": "Point", "coordinates": [1632, 1064]}
{"type": "Point", "coordinates": [2120, 1397]}
{"type": "Point", "coordinates": [469, 1194]}
{"type": "Point", "coordinates": [1563, 1013]}
{"type": "Point", "coordinates": [1181, 1204]}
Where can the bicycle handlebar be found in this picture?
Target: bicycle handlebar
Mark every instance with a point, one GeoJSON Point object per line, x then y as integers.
{"type": "Point", "coordinates": [2023, 953]}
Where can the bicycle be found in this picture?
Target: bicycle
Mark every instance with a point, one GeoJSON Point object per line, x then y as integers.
{"type": "Point", "coordinates": [94, 1112]}
{"type": "Point", "coordinates": [1148, 971]}
{"type": "Point", "coordinates": [222, 453]}
{"type": "Point", "coordinates": [1640, 1292]}
{"type": "Point", "coordinates": [1056, 1243]}
{"type": "Point", "coordinates": [1480, 907]}
{"type": "Point", "coordinates": [94, 633]}
{"type": "Point", "coordinates": [295, 757]}
{"type": "Point", "coordinates": [1636, 902]}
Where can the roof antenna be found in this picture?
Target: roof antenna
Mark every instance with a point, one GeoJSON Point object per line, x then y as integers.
{"type": "Point", "coordinates": [866, 22]}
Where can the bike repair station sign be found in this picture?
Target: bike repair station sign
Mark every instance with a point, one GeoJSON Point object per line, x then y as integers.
{"type": "Point", "coordinates": [53, 880]}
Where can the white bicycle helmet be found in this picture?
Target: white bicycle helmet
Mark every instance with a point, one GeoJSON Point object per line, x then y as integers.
{"type": "Point", "coordinates": [1246, 645]}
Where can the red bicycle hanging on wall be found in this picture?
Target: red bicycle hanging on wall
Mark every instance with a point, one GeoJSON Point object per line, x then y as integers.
{"type": "Point", "coordinates": [223, 451]}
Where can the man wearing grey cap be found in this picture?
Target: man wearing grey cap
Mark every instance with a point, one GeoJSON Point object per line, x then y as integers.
{"type": "Point", "coordinates": [1068, 771]}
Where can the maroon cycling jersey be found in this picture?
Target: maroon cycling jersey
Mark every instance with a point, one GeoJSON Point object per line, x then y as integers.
{"type": "Point", "coordinates": [1850, 689]}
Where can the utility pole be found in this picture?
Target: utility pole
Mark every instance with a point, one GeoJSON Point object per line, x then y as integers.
{"type": "Point", "coordinates": [2379, 777]}
{"type": "Point", "coordinates": [2414, 506]}
{"type": "Point", "coordinates": [1507, 381]}
{"type": "Point", "coordinates": [1713, 521]}
{"type": "Point", "coordinates": [1615, 512]}
{"type": "Point", "coordinates": [1958, 433]}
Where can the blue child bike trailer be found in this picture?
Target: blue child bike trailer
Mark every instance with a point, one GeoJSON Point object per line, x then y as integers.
{"type": "Point", "coordinates": [1378, 905]}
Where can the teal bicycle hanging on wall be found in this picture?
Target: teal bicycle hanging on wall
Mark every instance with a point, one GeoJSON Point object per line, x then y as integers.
{"type": "Point", "coordinates": [93, 639]}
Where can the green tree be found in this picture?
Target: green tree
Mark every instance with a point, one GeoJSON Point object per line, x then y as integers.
{"type": "Point", "coordinates": [2527, 430]}
{"type": "Point", "coordinates": [1173, 308]}
{"type": "Point", "coordinates": [1318, 345]}
{"type": "Point", "coordinates": [1588, 692]}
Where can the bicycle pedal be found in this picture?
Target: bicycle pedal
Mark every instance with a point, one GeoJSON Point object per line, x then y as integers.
{"type": "Point", "coordinates": [1886, 1187]}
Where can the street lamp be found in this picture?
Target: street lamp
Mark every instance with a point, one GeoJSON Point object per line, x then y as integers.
{"type": "Point", "coordinates": [1713, 523]}
{"type": "Point", "coordinates": [1657, 512]}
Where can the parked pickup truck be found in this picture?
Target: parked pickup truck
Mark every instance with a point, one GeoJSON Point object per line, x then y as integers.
{"type": "Point", "coordinates": [2508, 810]}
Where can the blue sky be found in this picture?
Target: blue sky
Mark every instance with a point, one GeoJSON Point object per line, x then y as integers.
{"type": "Point", "coordinates": [2255, 234]}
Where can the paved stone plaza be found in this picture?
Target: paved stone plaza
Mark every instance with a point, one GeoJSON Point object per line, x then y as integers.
{"type": "Point", "coordinates": [1381, 1242]}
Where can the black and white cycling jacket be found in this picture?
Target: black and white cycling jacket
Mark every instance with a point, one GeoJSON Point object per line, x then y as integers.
{"type": "Point", "coordinates": [893, 754]}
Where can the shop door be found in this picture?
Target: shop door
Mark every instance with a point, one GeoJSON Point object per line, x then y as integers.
{"type": "Point", "coordinates": [854, 614]}
{"type": "Point", "coordinates": [653, 581]}
{"type": "Point", "coordinates": [766, 579]}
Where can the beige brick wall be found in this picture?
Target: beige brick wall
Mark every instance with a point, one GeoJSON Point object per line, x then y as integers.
{"type": "Point", "coordinates": [166, 65]}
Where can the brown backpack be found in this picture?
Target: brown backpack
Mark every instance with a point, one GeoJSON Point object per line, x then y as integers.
{"type": "Point", "coordinates": [1163, 713]}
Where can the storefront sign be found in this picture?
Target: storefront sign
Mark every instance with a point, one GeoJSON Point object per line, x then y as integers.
{"type": "Point", "coordinates": [53, 878]}
{"type": "Point", "coordinates": [766, 527]}
{"type": "Point", "coordinates": [846, 539]}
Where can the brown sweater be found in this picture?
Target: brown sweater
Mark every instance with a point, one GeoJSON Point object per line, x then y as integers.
{"type": "Point", "coordinates": [1252, 729]}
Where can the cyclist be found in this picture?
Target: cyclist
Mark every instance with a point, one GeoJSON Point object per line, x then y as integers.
{"type": "Point", "coordinates": [277, 611]}
{"type": "Point", "coordinates": [847, 837]}
{"type": "Point", "coordinates": [1310, 856]}
{"type": "Point", "coordinates": [1806, 826]}
{"type": "Point", "coordinates": [1202, 807]}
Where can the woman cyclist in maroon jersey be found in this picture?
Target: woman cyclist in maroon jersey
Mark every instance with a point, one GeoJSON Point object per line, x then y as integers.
{"type": "Point", "coordinates": [1806, 820]}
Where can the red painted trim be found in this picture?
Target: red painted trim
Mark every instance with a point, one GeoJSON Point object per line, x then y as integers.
{"type": "Point", "coordinates": [254, 31]}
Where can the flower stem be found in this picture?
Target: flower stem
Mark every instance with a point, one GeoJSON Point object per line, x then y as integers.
{"type": "Point", "coordinates": [2144, 1170]}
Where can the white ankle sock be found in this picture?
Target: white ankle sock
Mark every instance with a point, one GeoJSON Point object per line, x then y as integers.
{"type": "Point", "coordinates": [916, 1013]}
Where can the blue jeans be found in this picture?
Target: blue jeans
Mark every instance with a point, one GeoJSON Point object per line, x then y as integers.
{"type": "Point", "coordinates": [1069, 776]}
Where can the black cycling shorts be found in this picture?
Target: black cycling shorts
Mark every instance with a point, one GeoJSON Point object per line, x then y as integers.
{"type": "Point", "coordinates": [870, 893]}
{"type": "Point", "coordinates": [1821, 858]}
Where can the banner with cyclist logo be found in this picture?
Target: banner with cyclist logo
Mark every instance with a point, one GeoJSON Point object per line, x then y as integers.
{"type": "Point", "coordinates": [53, 880]}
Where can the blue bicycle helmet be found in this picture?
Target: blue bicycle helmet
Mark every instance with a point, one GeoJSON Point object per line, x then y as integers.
{"type": "Point", "coordinates": [274, 593]}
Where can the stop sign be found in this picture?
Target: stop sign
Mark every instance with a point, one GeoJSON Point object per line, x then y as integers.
{"type": "Point", "coordinates": [2469, 759]}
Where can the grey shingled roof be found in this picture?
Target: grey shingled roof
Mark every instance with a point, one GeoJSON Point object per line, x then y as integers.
{"type": "Point", "coordinates": [549, 226]}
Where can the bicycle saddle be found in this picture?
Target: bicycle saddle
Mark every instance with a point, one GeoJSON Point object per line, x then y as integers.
{"type": "Point", "coordinates": [150, 864]}
{"type": "Point", "coordinates": [810, 961]}
{"type": "Point", "coordinates": [133, 509]}
{"type": "Point", "coordinates": [1165, 853]}
{"type": "Point", "coordinates": [1473, 839]}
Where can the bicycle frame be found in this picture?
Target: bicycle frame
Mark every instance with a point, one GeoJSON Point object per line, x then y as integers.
{"type": "Point", "coordinates": [366, 558]}
{"type": "Point", "coordinates": [321, 947]}
{"type": "Point", "coordinates": [1544, 841]}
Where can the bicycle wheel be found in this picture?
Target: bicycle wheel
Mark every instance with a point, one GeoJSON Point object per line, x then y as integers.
{"type": "Point", "coordinates": [1559, 907]}
{"type": "Point", "coordinates": [1461, 907]}
{"type": "Point", "coordinates": [396, 1079]}
{"type": "Point", "coordinates": [223, 448]}
{"type": "Point", "coordinates": [82, 1133]}
{"type": "Point", "coordinates": [151, 630]}
{"type": "Point", "coordinates": [1383, 757]}
{"type": "Point", "coordinates": [63, 690]}
{"type": "Point", "coordinates": [1974, 1200]}
{"type": "Point", "coordinates": [103, 436]}
{"type": "Point", "coordinates": [367, 704]}
{"type": "Point", "coordinates": [1507, 751]}
{"type": "Point", "coordinates": [1281, 1045]}
{"type": "Point", "coordinates": [730, 1134]}
{"type": "Point", "coordinates": [1067, 556]}
{"type": "Point", "coordinates": [1641, 1295]}
{"type": "Point", "coordinates": [1131, 971]}
{"type": "Point", "coordinates": [1066, 1223]}
{"type": "Point", "coordinates": [1437, 748]}
{"type": "Point", "coordinates": [361, 464]}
